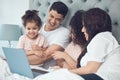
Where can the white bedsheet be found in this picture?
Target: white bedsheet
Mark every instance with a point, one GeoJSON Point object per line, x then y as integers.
{"type": "Point", "coordinates": [62, 74]}
{"type": "Point", "coordinates": [5, 73]}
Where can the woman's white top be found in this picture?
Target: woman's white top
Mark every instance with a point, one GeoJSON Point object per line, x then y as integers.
{"type": "Point", "coordinates": [99, 47]}
{"type": "Point", "coordinates": [110, 69]}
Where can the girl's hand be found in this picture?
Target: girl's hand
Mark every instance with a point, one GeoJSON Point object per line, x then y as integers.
{"type": "Point", "coordinates": [29, 52]}
{"type": "Point", "coordinates": [59, 55]}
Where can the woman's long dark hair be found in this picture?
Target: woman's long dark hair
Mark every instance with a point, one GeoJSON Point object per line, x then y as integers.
{"type": "Point", "coordinates": [95, 21]}
{"type": "Point", "coordinates": [76, 26]}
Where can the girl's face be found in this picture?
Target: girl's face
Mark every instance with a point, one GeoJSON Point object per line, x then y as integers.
{"type": "Point", "coordinates": [32, 30]}
{"type": "Point", "coordinates": [85, 33]}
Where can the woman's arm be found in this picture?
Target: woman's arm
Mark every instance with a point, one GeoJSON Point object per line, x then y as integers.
{"type": "Point", "coordinates": [91, 67]}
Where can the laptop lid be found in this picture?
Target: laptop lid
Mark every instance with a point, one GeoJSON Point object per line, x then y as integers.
{"type": "Point", "coordinates": [17, 61]}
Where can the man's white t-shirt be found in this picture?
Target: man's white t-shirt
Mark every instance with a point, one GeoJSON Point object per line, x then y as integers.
{"type": "Point", "coordinates": [59, 36]}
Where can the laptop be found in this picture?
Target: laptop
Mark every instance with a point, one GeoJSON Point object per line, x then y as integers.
{"type": "Point", "coordinates": [18, 63]}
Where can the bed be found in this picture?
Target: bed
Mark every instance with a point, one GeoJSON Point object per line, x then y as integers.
{"type": "Point", "coordinates": [112, 7]}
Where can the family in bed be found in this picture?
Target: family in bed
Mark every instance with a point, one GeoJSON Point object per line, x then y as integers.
{"type": "Point", "coordinates": [82, 52]}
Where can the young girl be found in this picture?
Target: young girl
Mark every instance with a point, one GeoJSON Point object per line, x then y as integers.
{"type": "Point", "coordinates": [32, 41]}
{"type": "Point", "coordinates": [69, 56]}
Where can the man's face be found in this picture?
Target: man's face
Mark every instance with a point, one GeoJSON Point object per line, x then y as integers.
{"type": "Point", "coordinates": [54, 20]}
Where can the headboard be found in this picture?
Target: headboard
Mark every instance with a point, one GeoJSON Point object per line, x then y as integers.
{"type": "Point", "coordinates": [110, 6]}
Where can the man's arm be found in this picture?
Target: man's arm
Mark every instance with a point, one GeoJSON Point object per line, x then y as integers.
{"type": "Point", "coordinates": [34, 59]}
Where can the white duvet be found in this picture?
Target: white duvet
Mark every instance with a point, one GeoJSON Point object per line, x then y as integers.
{"type": "Point", "coordinates": [5, 73]}
{"type": "Point", "coordinates": [62, 74]}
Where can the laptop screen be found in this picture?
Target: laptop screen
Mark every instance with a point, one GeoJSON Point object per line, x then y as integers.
{"type": "Point", "coordinates": [17, 61]}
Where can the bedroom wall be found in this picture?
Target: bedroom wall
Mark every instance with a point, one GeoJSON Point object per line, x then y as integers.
{"type": "Point", "coordinates": [12, 10]}
{"type": "Point", "coordinates": [10, 13]}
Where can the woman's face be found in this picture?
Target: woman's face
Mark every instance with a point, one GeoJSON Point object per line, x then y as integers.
{"type": "Point", "coordinates": [85, 33]}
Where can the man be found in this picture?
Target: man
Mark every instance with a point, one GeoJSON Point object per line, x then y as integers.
{"type": "Point", "coordinates": [56, 35]}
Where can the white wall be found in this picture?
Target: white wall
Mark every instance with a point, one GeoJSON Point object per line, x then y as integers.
{"type": "Point", "coordinates": [10, 13]}
{"type": "Point", "coordinates": [12, 10]}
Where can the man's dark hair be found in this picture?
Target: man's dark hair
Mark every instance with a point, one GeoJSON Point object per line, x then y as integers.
{"type": "Point", "coordinates": [60, 7]}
